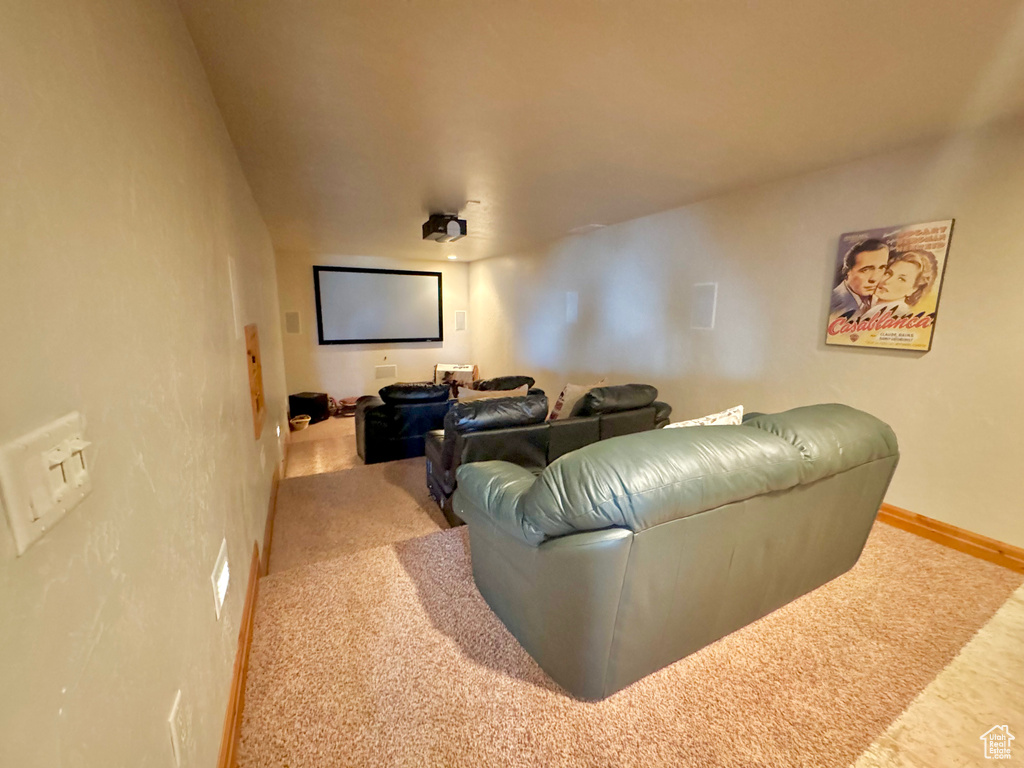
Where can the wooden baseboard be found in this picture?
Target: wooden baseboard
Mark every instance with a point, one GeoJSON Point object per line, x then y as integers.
{"type": "Point", "coordinates": [268, 529]}
{"type": "Point", "coordinates": [959, 539]}
{"type": "Point", "coordinates": [236, 698]}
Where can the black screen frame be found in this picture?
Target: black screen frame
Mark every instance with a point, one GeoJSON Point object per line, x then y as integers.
{"type": "Point", "coordinates": [319, 316]}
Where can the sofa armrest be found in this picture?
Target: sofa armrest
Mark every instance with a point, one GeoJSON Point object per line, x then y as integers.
{"type": "Point", "coordinates": [490, 491]}
{"type": "Point", "coordinates": [364, 405]}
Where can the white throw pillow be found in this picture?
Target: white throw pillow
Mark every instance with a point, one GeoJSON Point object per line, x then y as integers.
{"type": "Point", "coordinates": [730, 416]}
{"type": "Point", "coordinates": [465, 393]}
{"type": "Point", "coordinates": [569, 396]}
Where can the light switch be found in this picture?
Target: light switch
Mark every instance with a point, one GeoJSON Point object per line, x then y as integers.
{"type": "Point", "coordinates": [43, 475]}
{"type": "Point", "coordinates": [76, 469]}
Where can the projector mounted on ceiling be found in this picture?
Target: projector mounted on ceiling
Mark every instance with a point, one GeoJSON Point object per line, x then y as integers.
{"type": "Point", "coordinates": [444, 227]}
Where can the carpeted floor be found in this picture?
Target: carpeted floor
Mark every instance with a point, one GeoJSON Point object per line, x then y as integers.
{"type": "Point", "coordinates": [328, 515]}
{"type": "Point", "coordinates": [388, 656]}
{"type": "Point", "coordinates": [331, 504]}
{"type": "Point", "coordinates": [329, 446]}
{"type": "Point", "coordinates": [982, 688]}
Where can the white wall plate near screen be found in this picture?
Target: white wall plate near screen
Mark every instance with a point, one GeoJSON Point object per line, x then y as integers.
{"type": "Point", "coordinates": [43, 475]}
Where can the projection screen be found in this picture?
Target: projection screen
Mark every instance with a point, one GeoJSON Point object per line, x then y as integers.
{"type": "Point", "coordinates": [359, 306]}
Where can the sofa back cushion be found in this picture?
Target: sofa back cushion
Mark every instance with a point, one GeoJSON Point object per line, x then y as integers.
{"type": "Point", "coordinates": [626, 422]}
{"type": "Point", "coordinates": [641, 480]}
{"type": "Point", "coordinates": [503, 383]}
{"type": "Point", "coordinates": [572, 434]}
{"type": "Point", "coordinates": [621, 397]}
{"type": "Point", "coordinates": [646, 479]}
{"type": "Point", "coordinates": [495, 413]}
{"type": "Point", "coordinates": [393, 422]}
{"type": "Point", "coordinates": [830, 437]}
{"type": "Point", "coordinates": [414, 392]}
{"type": "Point", "coordinates": [526, 446]}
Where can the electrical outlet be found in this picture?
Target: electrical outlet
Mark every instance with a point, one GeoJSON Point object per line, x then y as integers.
{"type": "Point", "coordinates": [220, 577]}
{"type": "Point", "coordinates": [177, 722]}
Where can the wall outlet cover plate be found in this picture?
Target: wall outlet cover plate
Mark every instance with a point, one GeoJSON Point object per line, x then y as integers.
{"type": "Point", "coordinates": [177, 726]}
{"type": "Point", "coordinates": [220, 577]}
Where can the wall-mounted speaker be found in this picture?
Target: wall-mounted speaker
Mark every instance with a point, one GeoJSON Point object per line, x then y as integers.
{"type": "Point", "coordinates": [460, 320]}
{"type": "Point", "coordinates": [704, 302]}
{"type": "Point", "coordinates": [292, 324]}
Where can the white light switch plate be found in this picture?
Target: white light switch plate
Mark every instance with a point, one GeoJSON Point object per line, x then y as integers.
{"type": "Point", "coordinates": [43, 475]}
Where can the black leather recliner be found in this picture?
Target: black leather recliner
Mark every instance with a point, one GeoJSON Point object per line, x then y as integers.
{"type": "Point", "coordinates": [515, 430]}
{"type": "Point", "coordinates": [393, 425]}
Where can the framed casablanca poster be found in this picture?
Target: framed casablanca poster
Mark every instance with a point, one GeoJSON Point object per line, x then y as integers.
{"type": "Point", "coordinates": [885, 292]}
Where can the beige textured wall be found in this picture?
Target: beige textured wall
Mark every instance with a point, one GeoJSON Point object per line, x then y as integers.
{"type": "Point", "coordinates": [771, 249]}
{"type": "Point", "coordinates": [347, 370]}
{"type": "Point", "coordinates": [121, 202]}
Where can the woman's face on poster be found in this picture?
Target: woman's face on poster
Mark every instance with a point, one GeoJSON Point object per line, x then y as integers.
{"type": "Point", "coordinates": [898, 282]}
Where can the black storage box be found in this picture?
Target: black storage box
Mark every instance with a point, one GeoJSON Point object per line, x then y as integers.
{"type": "Point", "coordinates": [312, 404]}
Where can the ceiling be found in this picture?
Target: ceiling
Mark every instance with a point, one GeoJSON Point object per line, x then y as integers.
{"type": "Point", "coordinates": [355, 120]}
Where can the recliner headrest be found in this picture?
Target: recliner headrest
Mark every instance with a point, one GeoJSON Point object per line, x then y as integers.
{"type": "Point", "coordinates": [503, 383]}
{"type": "Point", "coordinates": [621, 397]}
{"type": "Point", "coordinates": [495, 413]}
{"type": "Point", "coordinates": [414, 392]}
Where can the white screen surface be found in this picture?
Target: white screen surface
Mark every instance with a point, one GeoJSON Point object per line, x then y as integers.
{"type": "Point", "coordinates": [361, 306]}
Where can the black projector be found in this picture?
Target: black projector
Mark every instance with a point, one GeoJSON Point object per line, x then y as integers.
{"type": "Point", "coordinates": [444, 227]}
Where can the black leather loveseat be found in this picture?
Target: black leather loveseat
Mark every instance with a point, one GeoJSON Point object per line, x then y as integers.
{"type": "Point", "coordinates": [393, 425]}
{"type": "Point", "coordinates": [515, 430]}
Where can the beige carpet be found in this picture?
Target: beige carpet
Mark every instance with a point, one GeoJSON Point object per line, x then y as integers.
{"type": "Point", "coordinates": [329, 446]}
{"type": "Point", "coordinates": [982, 688]}
{"type": "Point", "coordinates": [388, 656]}
{"type": "Point", "coordinates": [322, 513]}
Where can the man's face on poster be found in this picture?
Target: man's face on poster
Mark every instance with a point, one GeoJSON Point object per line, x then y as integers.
{"type": "Point", "coordinates": [868, 269]}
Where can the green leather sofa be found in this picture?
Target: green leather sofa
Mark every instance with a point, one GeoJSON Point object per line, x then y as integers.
{"type": "Point", "coordinates": [631, 553]}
